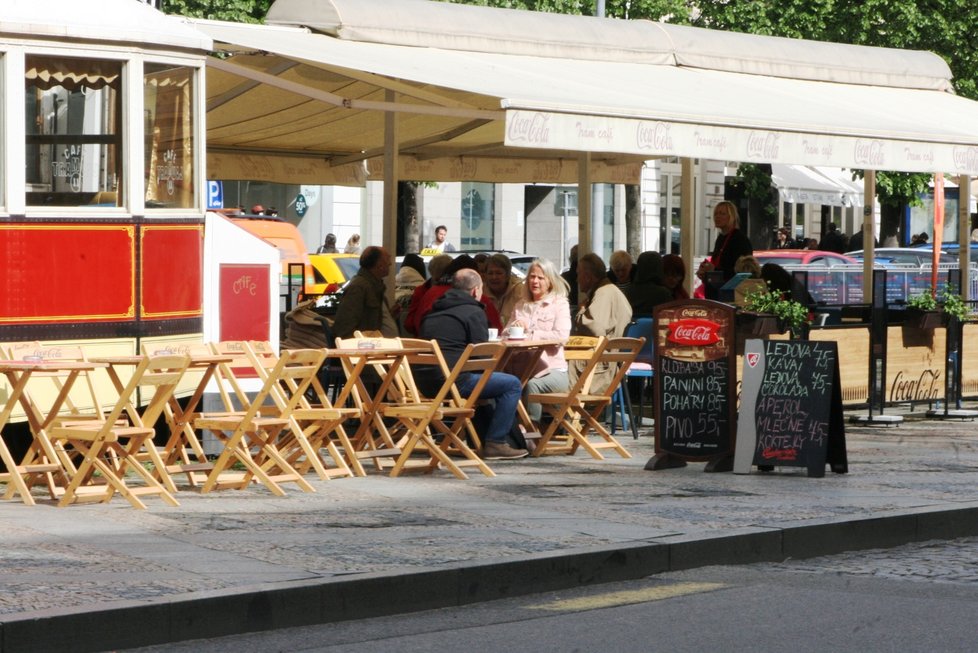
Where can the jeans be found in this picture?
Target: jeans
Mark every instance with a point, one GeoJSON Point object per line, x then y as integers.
{"type": "Point", "coordinates": [505, 390]}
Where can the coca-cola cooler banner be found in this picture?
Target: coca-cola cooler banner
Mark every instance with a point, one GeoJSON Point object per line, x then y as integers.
{"type": "Point", "coordinates": [695, 379]}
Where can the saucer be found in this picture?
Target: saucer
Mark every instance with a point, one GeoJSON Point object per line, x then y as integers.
{"type": "Point", "coordinates": [515, 337]}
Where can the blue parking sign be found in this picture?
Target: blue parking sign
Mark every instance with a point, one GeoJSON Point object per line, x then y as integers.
{"type": "Point", "coordinates": [215, 194]}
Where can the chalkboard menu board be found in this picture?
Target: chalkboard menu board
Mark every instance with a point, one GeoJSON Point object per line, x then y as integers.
{"type": "Point", "coordinates": [695, 384]}
{"type": "Point", "coordinates": [791, 407]}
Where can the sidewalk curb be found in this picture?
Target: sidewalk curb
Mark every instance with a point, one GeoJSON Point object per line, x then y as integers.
{"type": "Point", "coordinates": [324, 600]}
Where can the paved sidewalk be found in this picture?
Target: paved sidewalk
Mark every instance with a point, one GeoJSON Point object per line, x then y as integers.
{"type": "Point", "coordinates": [106, 576]}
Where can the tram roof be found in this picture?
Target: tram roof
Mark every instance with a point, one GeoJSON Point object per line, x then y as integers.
{"type": "Point", "coordinates": [107, 21]}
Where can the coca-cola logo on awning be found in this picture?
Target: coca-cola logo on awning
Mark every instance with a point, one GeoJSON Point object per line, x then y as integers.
{"type": "Point", "coordinates": [654, 137]}
{"type": "Point", "coordinates": [869, 153]}
{"type": "Point", "coordinates": [763, 145]}
{"type": "Point", "coordinates": [529, 127]}
{"type": "Point", "coordinates": [966, 158]}
{"type": "Point", "coordinates": [694, 332]}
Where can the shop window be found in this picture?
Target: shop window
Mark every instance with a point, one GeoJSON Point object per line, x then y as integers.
{"type": "Point", "coordinates": [168, 105]}
{"type": "Point", "coordinates": [74, 131]}
{"type": "Point", "coordinates": [478, 215]}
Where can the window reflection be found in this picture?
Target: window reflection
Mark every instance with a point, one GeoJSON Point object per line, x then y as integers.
{"type": "Point", "coordinates": [74, 134]}
{"type": "Point", "coordinates": [478, 214]}
{"type": "Point", "coordinates": [168, 95]}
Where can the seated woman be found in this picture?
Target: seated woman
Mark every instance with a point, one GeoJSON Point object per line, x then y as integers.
{"type": "Point", "coordinates": [647, 290]}
{"type": "Point", "coordinates": [544, 314]}
{"type": "Point", "coordinates": [674, 274]}
{"type": "Point", "coordinates": [501, 287]}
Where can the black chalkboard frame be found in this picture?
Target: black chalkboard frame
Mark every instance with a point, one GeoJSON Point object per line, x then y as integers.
{"type": "Point", "coordinates": [829, 450]}
{"type": "Point", "coordinates": [722, 351]}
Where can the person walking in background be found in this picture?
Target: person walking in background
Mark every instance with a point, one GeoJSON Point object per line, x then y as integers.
{"type": "Point", "coordinates": [439, 244]}
{"type": "Point", "coordinates": [328, 246]}
{"type": "Point", "coordinates": [352, 245]}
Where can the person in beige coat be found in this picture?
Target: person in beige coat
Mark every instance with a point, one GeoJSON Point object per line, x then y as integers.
{"type": "Point", "coordinates": [604, 311]}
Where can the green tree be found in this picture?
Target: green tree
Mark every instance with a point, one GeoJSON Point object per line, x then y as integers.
{"type": "Point", "coordinates": [241, 11]}
{"type": "Point", "coordinates": [940, 26]}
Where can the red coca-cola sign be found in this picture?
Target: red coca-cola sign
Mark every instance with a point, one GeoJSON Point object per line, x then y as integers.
{"type": "Point", "coordinates": [696, 332]}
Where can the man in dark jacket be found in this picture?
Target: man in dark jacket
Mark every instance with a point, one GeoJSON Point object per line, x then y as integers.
{"type": "Point", "coordinates": [456, 320]}
{"type": "Point", "coordinates": [364, 304]}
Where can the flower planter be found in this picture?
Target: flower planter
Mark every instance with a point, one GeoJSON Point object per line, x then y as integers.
{"type": "Point", "coordinates": [918, 319]}
{"type": "Point", "coordinates": [763, 324]}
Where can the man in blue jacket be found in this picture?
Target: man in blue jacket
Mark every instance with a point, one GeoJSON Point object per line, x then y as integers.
{"type": "Point", "coordinates": [457, 319]}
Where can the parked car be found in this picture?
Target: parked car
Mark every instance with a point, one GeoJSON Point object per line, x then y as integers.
{"type": "Point", "coordinates": [833, 278]}
{"type": "Point", "coordinates": [915, 256]}
{"type": "Point", "coordinates": [808, 257]}
{"type": "Point", "coordinates": [332, 272]}
{"type": "Point", "coordinates": [952, 249]}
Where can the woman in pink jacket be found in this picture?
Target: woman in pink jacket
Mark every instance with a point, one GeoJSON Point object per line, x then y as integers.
{"type": "Point", "coordinates": [544, 314]}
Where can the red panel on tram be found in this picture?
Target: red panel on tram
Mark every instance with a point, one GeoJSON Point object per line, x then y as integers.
{"type": "Point", "coordinates": [172, 271]}
{"type": "Point", "coordinates": [67, 273]}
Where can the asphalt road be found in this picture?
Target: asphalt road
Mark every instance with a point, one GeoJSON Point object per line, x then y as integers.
{"type": "Point", "coordinates": [919, 597]}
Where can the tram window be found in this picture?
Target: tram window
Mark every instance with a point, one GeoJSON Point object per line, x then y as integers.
{"type": "Point", "coordinates": [168, 93]}
{"type": "Point", "coordinates": [74, 131]}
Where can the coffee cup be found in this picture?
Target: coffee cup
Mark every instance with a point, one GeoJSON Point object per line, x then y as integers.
{"type": "Point", "coordinates": [494, 334]}
{"type": "Point", "coordinates": [516, 332]}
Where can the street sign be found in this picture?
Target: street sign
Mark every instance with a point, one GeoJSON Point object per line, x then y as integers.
{"type": "Point", "coordinates": [215, 194]}
{"type": "Point", "coordinates": [300, 205]}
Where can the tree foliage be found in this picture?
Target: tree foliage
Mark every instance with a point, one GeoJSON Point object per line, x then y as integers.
{"type": "Point", "coordinates": [240, 11]}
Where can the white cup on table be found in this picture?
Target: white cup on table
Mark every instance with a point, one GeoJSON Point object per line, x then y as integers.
{"type": "Point", "coordinates": [493, 334]}
{"type": "Point", "coordinates": [516, 332]}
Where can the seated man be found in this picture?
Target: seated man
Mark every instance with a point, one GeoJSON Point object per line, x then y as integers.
{"type": "Point", "coordinates": [456, 320]}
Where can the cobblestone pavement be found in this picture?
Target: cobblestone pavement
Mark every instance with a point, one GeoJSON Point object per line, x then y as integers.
{"type": "Point", "coordinates": [954, 561]}
{"type": "Point", "coordinates": [97, 555]}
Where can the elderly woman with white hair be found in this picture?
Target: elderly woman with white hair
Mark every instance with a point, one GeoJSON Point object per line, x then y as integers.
{"type": "Point", "coordinates": [543, 312]}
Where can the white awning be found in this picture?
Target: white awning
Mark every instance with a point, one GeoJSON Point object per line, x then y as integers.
{"type": "Point", "coordinates": [673, 91]}
{"type": "Point", "coordinates": [804, 185]}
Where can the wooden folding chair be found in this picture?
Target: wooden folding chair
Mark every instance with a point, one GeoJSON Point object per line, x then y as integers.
{"type": "Point", "coordinates": [112, 448]}
{"type": "Point", "coordinates": [381, 358]}
{"type": "Point", "coordinates": [447, 413]}
{"type": "Point", "coordinates": [578, 412]}
{"type": "Point", "coordinates": [240, 432]}
{"type": "Point", "coordinates": [313, 425]}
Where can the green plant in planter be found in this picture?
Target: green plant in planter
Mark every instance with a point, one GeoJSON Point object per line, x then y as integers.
{"type": "Point", "coordinates": [923, 302]}
{"type": "Point", "coordinates": [793, 314]}
{"type": "Point", "coordinates": [951, 303]}
{"type": "Point", "coordinates": [954, 305]}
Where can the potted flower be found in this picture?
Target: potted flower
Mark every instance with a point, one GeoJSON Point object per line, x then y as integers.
{"type": "Point", "coordinates": [925, 312]}
{"type": "Point", "coordinates": [772, 308]}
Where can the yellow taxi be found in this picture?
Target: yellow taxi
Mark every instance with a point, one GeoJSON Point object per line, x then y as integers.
{"type": "Point", "coordinates": [331, 272]}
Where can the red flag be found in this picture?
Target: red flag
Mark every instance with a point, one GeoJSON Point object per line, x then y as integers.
{"type": "Point", "coordinates": [938, 227]}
